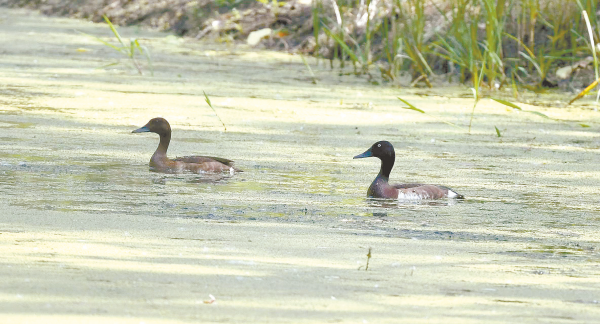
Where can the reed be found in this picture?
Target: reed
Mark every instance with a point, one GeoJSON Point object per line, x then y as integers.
{"type": "Point", "coordinates": [592, 46]}
{"type": "Point", "coordinates": [488, 43]}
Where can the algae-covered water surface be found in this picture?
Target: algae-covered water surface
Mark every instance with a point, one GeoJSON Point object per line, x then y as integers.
{"type": "Point", "coordinates": [528, 231]}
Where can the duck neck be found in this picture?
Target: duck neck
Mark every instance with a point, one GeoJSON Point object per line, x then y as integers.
{"type": "Point", "coordinates": [386, 168]}
{"type": "Point", "coordinates": [161, 150]}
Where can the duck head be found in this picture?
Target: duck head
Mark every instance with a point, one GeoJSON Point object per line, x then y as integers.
{"type": "Point", "coordinates": [157, 125]}
{"type": "Point", "coordinates": [383, 150]}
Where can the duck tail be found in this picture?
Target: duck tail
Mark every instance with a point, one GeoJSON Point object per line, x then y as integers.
{"type": "Point", "coordinates": [456, 194]}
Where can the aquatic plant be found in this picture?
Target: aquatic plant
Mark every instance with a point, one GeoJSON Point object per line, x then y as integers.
{"type": "Point", "coordinates": [477, 77]}
{"type": "Point", "coordinates": [129, 50]}
{"type": "Point", "coordinates": [207, 99]}
{"type": "Point", "coordinates": [593, 49]}
{"type": "Point", "coordinates": [515, 107]}
{"type": "Point", "coordinates": [412, 107]}
{"type": "Point", "coordinates": [491, 43]}
{"type": "Point", "coordinates": [310, 71]}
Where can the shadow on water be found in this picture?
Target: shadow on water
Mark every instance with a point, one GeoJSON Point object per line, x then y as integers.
{"type": "Point", "coordinates": [392, 203]}
{"type": "Point", "coordinates": [219, 178]}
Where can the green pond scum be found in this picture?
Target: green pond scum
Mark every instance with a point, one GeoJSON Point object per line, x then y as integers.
{"type": "Point", "coordinates": [89, 234]}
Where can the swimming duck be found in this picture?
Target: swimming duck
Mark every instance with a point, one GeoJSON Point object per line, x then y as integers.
{"type": "Point", "coordinates": [197, 164]}
{"type": "Point", "coordinates": [380, 188]}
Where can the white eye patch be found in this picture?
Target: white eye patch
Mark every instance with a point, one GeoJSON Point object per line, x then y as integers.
{"type": "Point", "coordinates": [378, 145]}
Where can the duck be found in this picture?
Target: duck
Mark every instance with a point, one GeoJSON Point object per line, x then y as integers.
{"type": "Point", "coordinates": [196, 164]}
{"type": "Point", "coordinates": [380, 188]}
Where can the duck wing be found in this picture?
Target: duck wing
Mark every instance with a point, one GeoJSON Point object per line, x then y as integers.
{"type": "Point", "coordinates": [425, 191]}
{"type": "Point", "coordinates": [203, 159]}
{"type": "Point", "coordinates": [209, 160]}
{"type": "Point", "coordinates": [407, 185]}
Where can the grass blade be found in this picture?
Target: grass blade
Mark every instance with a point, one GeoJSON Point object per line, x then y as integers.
{"type": "Point", "coordinates": [146, 52]}
{"type": "Point", "coordinates": [537, 113]}
{"type": "Point", "coordinates": [532, 61]}
{"type": "Point", "coordinates": [412, 107]}
{"type": "Point", "coordinates": [507, 103]}
{"type": "Point", "coordinates": [211, 106]}
{"type": "Point", "coordinates": [138, 46]}
{"type": "Point", "coordinates": [342, 44]}
{"type": "Point", "coordinates": [423, 61]}
{"type": "Point", "coordinates": [591, 34]}
{"type": "Point", "coordinates": [585, 91]}
{"type": "Point", "coordinates": [512, 105]}
{"type": "Point", "coordinates": [312, 75]}
{"type": "Point", "coordinates": [498, 131]}
{"type": "Point", "coordinates": [128, 50]}
{"type": "Point", "coordinates": [132, 47]}
{"type": "Point", "coordinates": [118, 49]}
{"type": "Point", "coordinates": [107, 65]}
{"type": "Point", "coordinates": [114, 30]}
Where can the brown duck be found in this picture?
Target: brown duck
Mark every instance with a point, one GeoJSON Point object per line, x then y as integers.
{"type": "Point", "coordinates": [197, 164]}
{"type": "Point", "coordinates": [380, 188]}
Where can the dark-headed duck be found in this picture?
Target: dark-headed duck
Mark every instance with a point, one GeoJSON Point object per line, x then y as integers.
{"type": "Point", "coordinates": [197, 164]}
{"type": "Point", "coordinates": [380, 188]}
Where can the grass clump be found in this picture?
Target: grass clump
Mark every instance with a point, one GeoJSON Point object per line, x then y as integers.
{"type": "Point", "coordinates": [128, 49]}
{"type": "Point", "coordinates": [488, 43]}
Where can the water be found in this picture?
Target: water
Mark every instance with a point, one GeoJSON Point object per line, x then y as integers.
{"type": "Point", "coordinates": [527, 232]}
{"type": "Point", "coordinates": [66, 144]}
{"type": "Point", "coordinates": [319, 188]}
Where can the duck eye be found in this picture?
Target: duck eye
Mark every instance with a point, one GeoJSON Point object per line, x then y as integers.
{"type": "Point", "coordinates": [378, 145]}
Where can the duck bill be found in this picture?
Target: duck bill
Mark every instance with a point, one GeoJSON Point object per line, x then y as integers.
{"type": "Point", "coordinates": [143, 129]}
{"type": "Point", "coordinates": [367, 154]}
